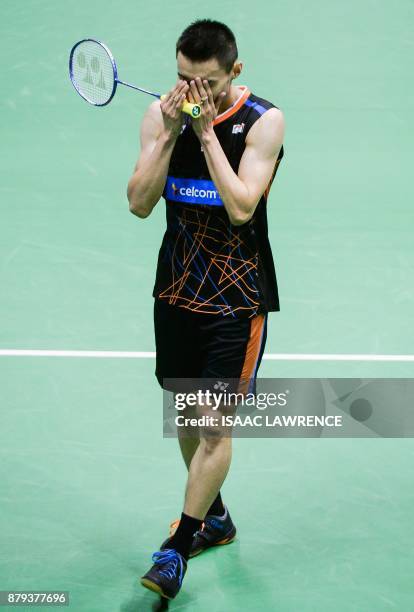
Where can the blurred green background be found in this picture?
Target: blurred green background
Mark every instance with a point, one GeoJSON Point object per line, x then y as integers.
{"type": "Point", "coordinates": [78, 268]}
{"type": "Point", "coordinates": [88, 484]}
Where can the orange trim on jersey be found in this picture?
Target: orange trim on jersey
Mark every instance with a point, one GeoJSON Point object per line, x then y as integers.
{"type": "Point", "coordinates": [236, 106]}
{"type": "Point", "coordinates": [252, 353]}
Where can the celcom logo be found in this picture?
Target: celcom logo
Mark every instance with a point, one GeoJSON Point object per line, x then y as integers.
{"type": "Point", "coordinates": [197, 193]}
{"type": "Point", "coordinates": [192, 191]}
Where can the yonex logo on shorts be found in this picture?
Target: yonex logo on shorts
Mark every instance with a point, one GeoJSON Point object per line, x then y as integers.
{"type": "Point", "coordinates": [191, 191]}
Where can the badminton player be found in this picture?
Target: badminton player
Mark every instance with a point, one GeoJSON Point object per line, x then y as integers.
{"type": "Point", "coordinates": [215, 279]}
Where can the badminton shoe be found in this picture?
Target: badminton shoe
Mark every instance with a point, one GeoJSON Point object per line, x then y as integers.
{"type": "Point", "coordinates": [166, 575]}
{"type": "Point", "coordinates": [215, 531]}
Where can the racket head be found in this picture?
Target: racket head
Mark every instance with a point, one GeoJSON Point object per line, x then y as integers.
{"type": "Point", "coordinates": [93, 71]}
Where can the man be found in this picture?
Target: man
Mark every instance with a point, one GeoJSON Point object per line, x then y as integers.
{"type": "Point", "coordinates": [215, 280]}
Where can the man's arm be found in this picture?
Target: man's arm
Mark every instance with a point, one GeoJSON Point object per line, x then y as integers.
{"type": "Point", "coordinates": [241, 192]}
{"type": "Point", "coordinates": [160, 128]}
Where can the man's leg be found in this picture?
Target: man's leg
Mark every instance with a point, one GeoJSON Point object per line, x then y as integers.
{"type": "Point", "coordinates": [207, 471]}
{"type": "Point", "coordinates": [189, 440]}
{"type": "Point", "coordinates": [188, 436]}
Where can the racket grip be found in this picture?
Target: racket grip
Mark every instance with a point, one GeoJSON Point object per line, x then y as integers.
{"type": "Point", "coordinates": [194, 110]}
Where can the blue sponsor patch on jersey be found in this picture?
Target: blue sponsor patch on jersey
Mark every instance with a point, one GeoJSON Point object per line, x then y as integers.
{"type": "Point", "coordinates": [191, 191]}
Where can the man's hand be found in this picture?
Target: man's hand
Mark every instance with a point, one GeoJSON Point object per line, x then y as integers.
{"type": "Point", "coordinates": [171, 108]}
{"type": "Point", "coordinates": [200, 93]}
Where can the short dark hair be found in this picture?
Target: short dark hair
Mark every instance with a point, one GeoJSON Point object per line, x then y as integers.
{"type": "Point", "coordinates": [205, 39]}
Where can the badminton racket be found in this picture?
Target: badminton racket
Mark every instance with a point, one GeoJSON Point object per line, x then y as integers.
{"type": "Point", "coordinates": [94, 74]}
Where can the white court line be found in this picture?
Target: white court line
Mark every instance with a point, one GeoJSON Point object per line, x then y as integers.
{"type": "Point", "coordinates": [151, 355]}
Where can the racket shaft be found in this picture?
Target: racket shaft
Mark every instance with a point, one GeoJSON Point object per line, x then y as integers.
{"type": "Point", "coordinates": [194, 110]}
{"type": "Point", "coordinates": [151, 93]}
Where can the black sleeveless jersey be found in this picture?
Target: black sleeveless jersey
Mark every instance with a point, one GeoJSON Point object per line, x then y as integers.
{"type": "Point", "coordinates": [205, 263]}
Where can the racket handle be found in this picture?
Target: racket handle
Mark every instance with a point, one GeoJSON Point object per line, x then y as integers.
{"type": "Point", "coordinates": [194, 110]}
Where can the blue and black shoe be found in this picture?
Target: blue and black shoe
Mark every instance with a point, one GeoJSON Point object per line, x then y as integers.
{"type": "Point", "coordinates": [166, 575]}
{"type": "Point", "coordinates": [215, 531]}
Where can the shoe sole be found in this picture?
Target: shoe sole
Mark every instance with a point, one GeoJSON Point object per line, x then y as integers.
{"type": "Point", "coordinates": [220, 543]}
{"type": "Point", "coordinates": [153, 586]}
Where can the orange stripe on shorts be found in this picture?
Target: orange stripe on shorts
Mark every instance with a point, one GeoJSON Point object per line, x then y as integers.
{"type": "Point", "coordinates": [252, 353]}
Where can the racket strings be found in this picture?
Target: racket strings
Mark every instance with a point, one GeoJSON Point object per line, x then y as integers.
{"type": "Point", "coordinates": [93, 72]}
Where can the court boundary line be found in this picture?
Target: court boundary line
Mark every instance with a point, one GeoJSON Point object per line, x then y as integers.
{"type": "Point", "coordinates": [151, 355]}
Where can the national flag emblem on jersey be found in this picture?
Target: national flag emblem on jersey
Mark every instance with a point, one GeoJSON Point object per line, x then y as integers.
{"type": "Point", "coordinates": [238, 128]}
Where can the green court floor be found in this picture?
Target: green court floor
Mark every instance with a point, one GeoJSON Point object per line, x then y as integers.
{"type": "Point", "coordinates": [88, 484]}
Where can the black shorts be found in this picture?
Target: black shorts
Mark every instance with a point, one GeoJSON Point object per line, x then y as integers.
{"type": "Point", "coordinates": [202, 346]}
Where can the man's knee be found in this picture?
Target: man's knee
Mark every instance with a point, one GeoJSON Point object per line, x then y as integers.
{"type": "Point", "coordinates": [214, 434]}
{"type": "Point", "coordinates": [212, 442]}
